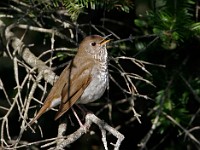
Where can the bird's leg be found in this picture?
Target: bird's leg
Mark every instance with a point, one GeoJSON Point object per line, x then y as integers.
{"type": "Point", "coordinates": [70, 120]}
{"type": "Point", "coordinates": [84, 111]}
{"type": "Point", "coordinates": [75, 114]}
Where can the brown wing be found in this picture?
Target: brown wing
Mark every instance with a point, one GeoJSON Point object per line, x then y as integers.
{"type": "Point", "coordinates": [78, 77]}
{"type": "Point", "coordinates": [79, 80]}
{"type": "Point", "coordinates": [54, 93]}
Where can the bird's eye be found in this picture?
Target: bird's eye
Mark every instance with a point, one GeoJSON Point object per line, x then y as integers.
{"type": "Point", "coordinates": [93, 43]}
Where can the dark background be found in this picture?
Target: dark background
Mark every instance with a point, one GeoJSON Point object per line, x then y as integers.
{"type": "Point", "coordinates": [162, 33]}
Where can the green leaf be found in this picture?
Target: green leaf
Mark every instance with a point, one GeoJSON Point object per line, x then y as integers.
{"type": "Point", "coordinates": [140, 46]}
{"type": "Point", "coordinates": [140, 23]}
{"type": "Point", "coordinates": [175, 36]}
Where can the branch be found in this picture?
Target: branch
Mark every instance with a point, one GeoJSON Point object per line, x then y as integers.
{"type": "Point", "coordinates": [18, 46]}
{"type": "Point", "coordinates": [89, 119]}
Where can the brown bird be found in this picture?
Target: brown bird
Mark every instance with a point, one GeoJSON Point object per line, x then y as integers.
{"type": "Point", "coordinates": [83, 81]}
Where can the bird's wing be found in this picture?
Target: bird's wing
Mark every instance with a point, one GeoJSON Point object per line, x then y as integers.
{"type": "Point", "coordinates": [79, 80]}
{"type": "Point", "coordinates": [55, 93]}
{"type": "Point", "coordinates": [64, 93]}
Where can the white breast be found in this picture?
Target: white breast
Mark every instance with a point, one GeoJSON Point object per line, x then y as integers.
{"type": "Point", "coordinates": [97, 86]}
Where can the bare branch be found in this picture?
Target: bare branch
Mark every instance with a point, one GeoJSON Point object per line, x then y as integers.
{"type": "Point", "coordinates": [89, 119]}
{"type": "Point", "coordinates": [29, 57]}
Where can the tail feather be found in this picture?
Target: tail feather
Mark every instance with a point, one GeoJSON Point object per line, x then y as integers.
{"type": "Point", "coordinates": [41, 111]}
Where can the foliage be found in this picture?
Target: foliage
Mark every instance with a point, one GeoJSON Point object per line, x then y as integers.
{"type": "Point", "coordinates": [172, 22]}
{"type": "Point", "coordinates": [75, 7]}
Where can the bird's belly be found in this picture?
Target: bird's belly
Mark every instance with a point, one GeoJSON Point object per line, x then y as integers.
{"type": "Point", "coordinates": [95, 89]}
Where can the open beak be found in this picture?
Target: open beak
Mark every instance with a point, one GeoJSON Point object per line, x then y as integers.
{"type": "Point", "coordinates": [103, 42]}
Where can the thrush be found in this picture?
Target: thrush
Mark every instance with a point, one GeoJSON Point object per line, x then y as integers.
{"type": "Point", "coordinates": [83, 81]}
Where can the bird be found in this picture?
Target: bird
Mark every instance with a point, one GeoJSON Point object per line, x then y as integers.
{"type": "Point", "coordinates": [83, 81]}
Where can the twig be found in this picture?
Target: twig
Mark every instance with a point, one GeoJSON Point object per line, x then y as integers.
{"type": "Point", "coordinates": [191, 136]}
{"type": "Point", "coordinates": [29, 57]}
{"type": "Point", "coordinates": [89, 119]}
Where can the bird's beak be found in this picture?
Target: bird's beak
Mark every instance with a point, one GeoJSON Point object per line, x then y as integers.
{"type": "Point", "coordinates": [103, 42]}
